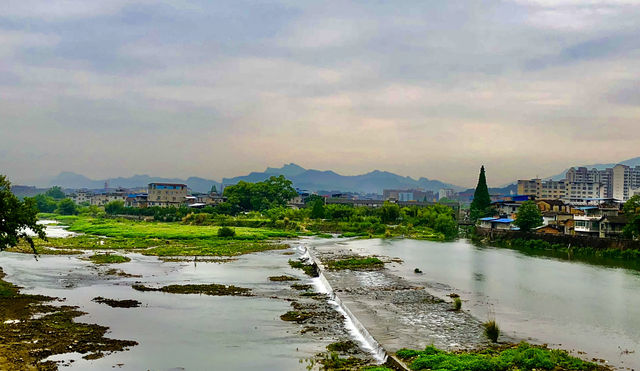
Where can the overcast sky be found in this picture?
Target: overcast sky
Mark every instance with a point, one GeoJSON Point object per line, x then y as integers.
{"type": "Point", "coordinates": [220, 88]}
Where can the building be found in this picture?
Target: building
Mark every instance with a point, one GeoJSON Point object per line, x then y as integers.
{"type": "Point", "coordinates": [136, 200]}
{"type": "Point", "coordinates": [585, 190]}
{"type": "Point", "coordinates": [103, 198]}
{"type": "Point", "coordinates": [407, 195]}
{"type": "Point", "coordinates": [81, 196]}
{"type": "Point", "coordinates": [446, 193]}
{"type": "Point", "coordinates": [496, 223]}
{"type": "Point", "coordinates": [166, 194]}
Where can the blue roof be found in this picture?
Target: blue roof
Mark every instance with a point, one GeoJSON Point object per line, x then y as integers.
{"type": "Point", "coordinates": [587, 207]}
{"type": "Point", "coordinates": [487, 219]}
{"type": "Point", "coordinates": [503, 220]}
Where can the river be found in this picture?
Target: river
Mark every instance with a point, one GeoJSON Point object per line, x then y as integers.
{"type": "Point", "coordinates": [575, 305]}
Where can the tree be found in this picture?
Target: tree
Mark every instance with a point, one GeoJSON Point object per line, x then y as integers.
{"type": "Point", "coordinates": [317, 209]}
{"type": "Point", "coordinates": [632, 212]}
{"type": "Point", "coordinates": [528, 216]}
{"type": "Point", "coordinates": [481, 204]}
{"type": "Point", "coordinates": [55, 193]}
{"type": "Point", "coordinates": [114, 207]}
{"type": "Point", "coordinates": [260, 196]}
{"type": "Point", "coordinates": [67, 207]}
{"type": "Point", "coordinates": [16, 217]}
{"type": "Point", "coordinates": [45, 204]}
{"type": "Point", "coordinates": [389, 212]}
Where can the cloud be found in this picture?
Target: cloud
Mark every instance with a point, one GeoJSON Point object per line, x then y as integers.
{"type": "Point", "coordinates": [215, 89]}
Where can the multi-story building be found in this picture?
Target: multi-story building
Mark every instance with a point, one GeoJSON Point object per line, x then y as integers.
{"type": "Point", "coordinates": [584, 190]}
{"type": "Point", "coordinates": [531, 187]}
{"type": "Point", "coordinates": [81, 196]}
{"type": "Point", "coordinates": [101, 199]}
{"type": "Point", "coordinates": [407, 195]}
{"type": "Point", "coordinates": [446, 193]}
{"type": "Point", "coordinates": [166, 194]}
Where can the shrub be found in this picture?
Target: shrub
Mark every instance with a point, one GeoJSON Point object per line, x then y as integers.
{"type": "Point", "coordinates": [457, 304]}
{"type": "Point", "coordinates": [226, 232]}
{"type": "Point", "coordinates": [491, 330]}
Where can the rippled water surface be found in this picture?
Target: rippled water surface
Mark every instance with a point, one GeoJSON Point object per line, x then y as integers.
{"type": "Point", "coordinates": [575, 305]}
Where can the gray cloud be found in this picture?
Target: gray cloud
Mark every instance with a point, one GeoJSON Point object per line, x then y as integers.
{"type": "Point", "coordinates": [216, 89]}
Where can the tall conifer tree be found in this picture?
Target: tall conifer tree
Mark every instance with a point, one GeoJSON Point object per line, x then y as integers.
{"type": "Point", "coordinates": [481, 204]}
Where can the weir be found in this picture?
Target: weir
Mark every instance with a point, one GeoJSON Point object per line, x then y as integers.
{"type": "Point", "coordinates": [352, 324]}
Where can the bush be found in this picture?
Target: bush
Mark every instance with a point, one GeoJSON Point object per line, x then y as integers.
{"type": "Point", "coordinates": [491, 330]}
{"type": "Point", "coordinates": [457, 304]}
{"type": "Point", "coordinates": [226, 232]}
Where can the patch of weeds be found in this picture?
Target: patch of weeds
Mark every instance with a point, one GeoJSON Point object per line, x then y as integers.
{"type": "Point", "coordinates": [108, 259]}
{"type": "Point", "coordinates": [522, 356]}
{"type": "Point", "coordinates": [120, 273]}
{"type": "Point", "coordinates": [299, 286]}
{"type": "Point", "coordinates": [296, 316]}
{"type": "Point", "coordinates": [127, 303]}
{"type": "Point", "coordinates": [204, 289]}
{"type": "Point", "coordinates": [491, 330]}
{"type": "Point", "coordinates": [333, 361]}
{"type": "Point", "coordinates": [457, 304]}
{"type": "Point", "coordinates": [310, 269]}
{"type": "Point", "coordinates": [311, 294]}
{"type": "Point", "coordinates": [417, 271]}
{"type": "Point", "coordinates": [342, 346]}
{"type": "Point", "coordinates": [355, 263]}
{"type": "Point", "coordinates": [282, 278]}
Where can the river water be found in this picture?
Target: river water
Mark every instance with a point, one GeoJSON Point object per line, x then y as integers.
{"type": "Point", "coordinates": [582, 306]}
{"type": "Point", "coordinates": [175, 332]}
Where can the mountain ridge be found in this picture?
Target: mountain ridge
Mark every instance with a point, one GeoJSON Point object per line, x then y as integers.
{"type": "Point", "coordinates": [310, 179]}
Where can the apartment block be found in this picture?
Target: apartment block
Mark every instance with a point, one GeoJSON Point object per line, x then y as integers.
{"type": "Point", "coordinates": [166, 194]}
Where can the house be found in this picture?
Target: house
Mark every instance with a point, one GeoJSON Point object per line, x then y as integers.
{"type": "Point", "coordinates": [496, 223]}
{"type": "Point", "coordinates": [551, 229]}
{"type": "Point", "coordinates": [612, 226]}
{"type": "Point", "coordinates": [553, 205]}
{"type": "Point", "coordinates": [104, 198]}
{"type": "Point", "coordinates": [136, 200]}
{"type": "Point", "coordinates": [167, 194]}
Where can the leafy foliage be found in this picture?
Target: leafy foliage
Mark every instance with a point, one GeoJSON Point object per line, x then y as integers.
{"type": "Point", "coordinates": [67, 207]}
{"type": "Point", "coordinates": [55, 193]}
{"type": "Point", "coordinates": [520, 357]}
{"type": "Point", "coordinates": [226, 232]}
{"type": "Point", "coordinates": [260, 196]}
{"type": "Point", "coordinates": [632, 211]}
{"type": "Point", "coordinates": [528, 216]}
{"type": "Point", "coordinates": [16, 217]}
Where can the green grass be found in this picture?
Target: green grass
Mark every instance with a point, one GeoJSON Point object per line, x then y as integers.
{"type": "Point", "coordinates": [355, 263]}
{"type": "Point", "coordinates": [491, 330]}
{"type": "Point", "coordinates": [122, 228]}
{"type": "Point", "coordinates": [518, 357]}
{"type": "Point", "coordinates": [214, 248]}
{"type": "Point", "coordinates": [457, 304]}
{"type": "Point", "coordinates": [108, 259]}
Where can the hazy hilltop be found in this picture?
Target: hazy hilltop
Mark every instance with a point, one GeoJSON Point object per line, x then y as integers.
{"type": "Point", "coordinates": [309, 179]}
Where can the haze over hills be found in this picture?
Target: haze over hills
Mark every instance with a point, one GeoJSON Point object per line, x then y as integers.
{"type": "Point", "coordinates": [309, 179]}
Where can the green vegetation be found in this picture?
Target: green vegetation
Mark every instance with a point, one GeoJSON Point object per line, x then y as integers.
{"type": "Point", "coordinates": [333, 361]}
{"type": "Point", "coordinates": [310, 269]}
{"type": "Point", "coordinates": [108, 259]}
{"type": "Point", "coordinates": [67, 207]}
{"type": "Point", "coordinates": [127, 303]}
{"type": "Point", "coordinates": [226, 232]}
{"type": "Point", "coordinates": [204, 289]}
{"type": "Point", "coordinates": [299, 286]}
{"type": "Point", "coordinates": [282, 278]}
{"type": "Point", "coordinates": [457, 304]}
{"type": "Point", "coordinates": [342, 346]}
{"type": "Point", "coordinates": [632, 212]}
{"type": "Point", "coordinates": [491, 330]}
{"type": "Point", "coordinates": [55, 192]}
{"type": "Point", "coordinates": [296, 316]}
{"type": "Point", "coordinates": [481, 204]}
{"type": "Point", "coordinates": [16, 217]}
{"type": "Point", "coordinates": [514, 357]}
{"type": "Point", "coordinates": [273, 192]}
{"type": "Point", "coordinates": [355, 263]}
{"type": "Point", "coordinates": [528, 217]}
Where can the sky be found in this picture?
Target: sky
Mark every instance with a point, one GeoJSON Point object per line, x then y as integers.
{"type": "Point", "coordinates": [219, 88]}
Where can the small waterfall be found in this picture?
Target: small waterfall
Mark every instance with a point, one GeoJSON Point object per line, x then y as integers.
{"type": "Point", "coordinates": [351, 322]}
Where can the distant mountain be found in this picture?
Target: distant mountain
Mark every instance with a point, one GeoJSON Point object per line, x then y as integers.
{"type": "Point", "coordinates": [632, 162]}
{"type": "Point", "coordinates": [70, 180]}
{"type": "Point", "coordinates": [313, 180]}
